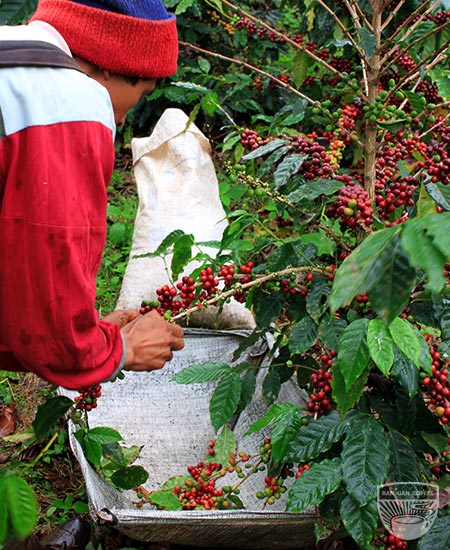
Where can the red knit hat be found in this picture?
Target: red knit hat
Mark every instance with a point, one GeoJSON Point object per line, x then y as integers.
{"type": "Point", "coordinates": [125, 37]}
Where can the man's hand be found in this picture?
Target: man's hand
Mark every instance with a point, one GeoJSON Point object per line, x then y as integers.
{"type": "Point", "coordinates": [150, 342]}
{"type": "Point", "coordinates": [121, 317]}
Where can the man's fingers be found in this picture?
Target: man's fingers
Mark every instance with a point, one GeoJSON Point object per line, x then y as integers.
{"type": "Point", "coordinates": [177, 344]}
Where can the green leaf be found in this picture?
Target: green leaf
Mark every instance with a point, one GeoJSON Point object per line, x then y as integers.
{"type": "Point", "coordinates": [353, 351]}
{"type": "Point", "coordinates": [169, 484]}
{"type": "Point", "coordinates": [22, 506]}
{"type": "Point", "coordinates": [248, 381]}
{"type": "Point", "coordinates": [425, 361]}
{"type": "Point", "coordinates": [415, 100]}
{"type": "Point", "coordinates": [299, 67]}
{"type": "Point", "coordinates": [436, 441]}
{"type": "Point", "coordinates": [183, 5]}
{"type": "Point", "coordinates": [316, 301]}
{"type": "Point", "coordinates": [48, 414]}
{"type": "Point", "coordinates": [344, 398]}
{"type": "Point", "coordinates": [164, 248]}
{"type": "Point", "coordinates": [285, 430]}
{"type": "Point", "coordinates": [287, 168]}
{"type": "Point", "coordinates": [210, 103]}
{"type": "Point", "coordinates": [314, 484]}
{"type": "Point", "coordinates": [381, 345]}
{"type": "Point", "coordinates": [272, 415]}
{"type": "Point", "coordinates": [406, 372]}
{"type": "Point", "coordinates": [271, 386]}
{"type": "Point", "coordinates": [405, 338]}
{"type": "Point", "coordinates": [303, 336]}
{"type": "Point", "coordinates": [129, 477]}
{"type": "Point", "coordinates": [437, 226]}
{"type": "Point", "coordinates": [93, 451]}
{"type": "Point", "coordinates": [438, 537]}
{"type": "Point", "coordinates": [324, 245]}
{"type": "Point", "coordinates": [265, 149]}
{"type": "Point", "coordinates": [269, 308]}
{"type": "Point", "coordinates": [13, 12]}
{"type": "Point", "coordinates": [165, 500]}
{"type": "Point", "coordinates": [440, 193]}
{"type": "Point", "coordinates": [315, 438]}
{"type": "Point", "coordinates": [182, 254]}
{"type": "Point", "coordinates": [368, 41]}
{"type": "Point", "coordinates": [396, 279]}
{"type": "Point", "coordinates": [360, 271]}
{"type": "Point", "coordinates": [330, 331]}
{"type": "Point", "coordinates": [103, 435]}
{"type": "Point", "coordinates": [224, 400]}
{"type": "Point", "coordinates": [269, 162]}
{"type": "Point", "coordinates": [404, 466]}
{"type": "Point", "coordinates": [440, 75]}
{"type": "Point", "coordinates": [204, 64]}
{"type": "Point", "coordinates": [365, 457]}
{"type": "Point", "coordinates": [424, 247]}
{"type": "Point", "coordinates": [360, 522]}
{"type": "Point", "coordinates": [80, 507]}
{"type": "Point", "coordinates": [224, 446]}
{"type": "Point", "coordinates": [441, 310]}
{"type": "Point", "coordinates": [314, 189]}
{"type": "Point", "coordinates": [201, 372]}
{"type": "Point", "coordinates": [117, 232]}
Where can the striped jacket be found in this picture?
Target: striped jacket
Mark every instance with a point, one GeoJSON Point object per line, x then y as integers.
{"type": "Point", "coordinates": [56, 160]}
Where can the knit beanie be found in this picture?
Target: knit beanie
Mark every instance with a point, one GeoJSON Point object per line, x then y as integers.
{"type": "Point", "coordinates": [131, 38]}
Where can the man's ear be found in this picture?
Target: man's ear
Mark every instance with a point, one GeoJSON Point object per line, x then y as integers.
{"type": "Point", "coordinates": [106, 75]}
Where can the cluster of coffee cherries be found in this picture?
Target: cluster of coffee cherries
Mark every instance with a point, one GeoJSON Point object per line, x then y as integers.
{"type": "Point", "coordinates": [398, 194]}
{"type": "Point", "coordinates": [251, 140]}
{"type": "Point", "coordinates": [201, 492]}
{"type": "Point", "coordinates": [246, 277]}
{"type": "Point", "coordinates": [318, 162]}
{"type": "Point", "coordinates": [391, 542]}
{"type": "Point", "coordinates": [437, 386]}
{"type": "Point", "coordinates": [273, 489]}
{"type": "Point", "coordinates": [438, 161]}
{"type": "Point", "coordinates": [352, 207]}
{"type": "Point", "coordinates": [261, 32]}
{"type": "Point", "coordinates": [86, 401]}
{"type": "Point", "coordinates": [172, 300]}
{"type": "Point", "coordinates": [319, 401]}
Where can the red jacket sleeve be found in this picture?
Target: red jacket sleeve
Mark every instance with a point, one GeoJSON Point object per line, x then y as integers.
{"type": "Point", "coordinates": [53, 184]}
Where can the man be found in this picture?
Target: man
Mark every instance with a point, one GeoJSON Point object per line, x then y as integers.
{"type": "Point", "coordinates": [57, 128]}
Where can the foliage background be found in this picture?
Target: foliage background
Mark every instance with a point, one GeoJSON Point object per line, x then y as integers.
{"type": "Point", "coordinates": [333, 160]}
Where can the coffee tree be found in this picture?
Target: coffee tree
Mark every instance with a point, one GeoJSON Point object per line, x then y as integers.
{"type": "Point", "coordinates": [337, 188]}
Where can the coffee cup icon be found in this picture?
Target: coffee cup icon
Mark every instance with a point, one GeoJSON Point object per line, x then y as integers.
{"type": "Point", "coordinates": [408, 510]}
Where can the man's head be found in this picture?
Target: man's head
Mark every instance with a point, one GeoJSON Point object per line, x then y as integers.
{"type": "Point", "coordinates": [123, 44]}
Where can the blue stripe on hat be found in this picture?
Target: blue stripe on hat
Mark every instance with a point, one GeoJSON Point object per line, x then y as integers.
{"type": "Point", "coordinates": [152, 10]}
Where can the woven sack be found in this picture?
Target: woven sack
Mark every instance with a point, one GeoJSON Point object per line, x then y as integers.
{"type": "Point", "coordinates": [172, 423]}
